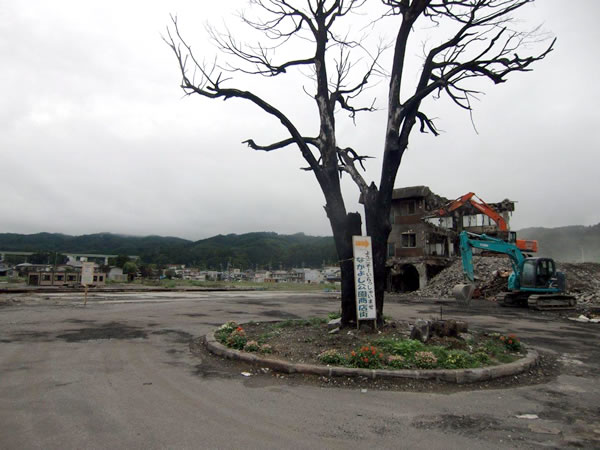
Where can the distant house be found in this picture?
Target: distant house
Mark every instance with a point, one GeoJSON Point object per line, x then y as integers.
{"type": "Point", "coordinates": [25, 268]}
{"type": "Point", "coordinates": [50, 278]}
{"type": "Point", "coordinates": [307, 276]}
{"type": "Point", "coordinates": [280, 276]}
{"type": "Point", "coordinates": [116, 274]}
{"type": "Point", "coordinates": [313, 276]}
{"type": "Point", "coordinates": [6, 271]}
{"type": "Point", "coordinates": [332, 274]}
{"type": "Point", "coordinates": [261, 276]}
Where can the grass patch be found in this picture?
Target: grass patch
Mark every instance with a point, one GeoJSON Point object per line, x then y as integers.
{"type": "Point", "coordinates": [334, 315]}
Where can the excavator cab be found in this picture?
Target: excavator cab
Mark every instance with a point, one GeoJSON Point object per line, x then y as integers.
{"type": "Point", "coordinates": [540, 273]}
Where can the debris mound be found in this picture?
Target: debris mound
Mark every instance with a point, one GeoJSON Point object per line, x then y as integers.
{"type": "Point", "coordinates": [491, 277]}
{"type": "Point", "coordinates": [491, 273]}
{"type": "Point", "coordinates": [583, 281]}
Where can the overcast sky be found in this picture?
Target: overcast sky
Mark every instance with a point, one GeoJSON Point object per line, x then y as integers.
{"type": "Point", "coordinates": [95, 134]}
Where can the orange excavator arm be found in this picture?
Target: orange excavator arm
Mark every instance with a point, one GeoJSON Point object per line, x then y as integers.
{"type": "Point", "coordinates": [484, 208]}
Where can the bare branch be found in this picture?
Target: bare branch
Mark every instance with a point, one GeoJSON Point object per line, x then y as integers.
{"type": "Point", "coordinates": [280, 144]}
{"type": "Point", "coordinates": [427, 122]}
{"type": "Point", "coordinates": [210, 86]}
{"type": "Point", "coordinates": [348, 157]}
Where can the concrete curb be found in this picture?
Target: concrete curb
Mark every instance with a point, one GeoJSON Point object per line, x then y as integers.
{"type": "Point", "coordinates": [458, 376]}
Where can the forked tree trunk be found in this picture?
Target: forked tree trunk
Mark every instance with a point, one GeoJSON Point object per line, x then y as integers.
{"type": "Point", "coordinates": [343, 230]}
{"type": "Point", "coordinates": [378, 227]}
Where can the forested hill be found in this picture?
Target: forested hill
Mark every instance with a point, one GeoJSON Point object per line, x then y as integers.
{"type": "Point", "coordinates": [569, 244]}
{"type": "Point", "coordinates": [241, 251]}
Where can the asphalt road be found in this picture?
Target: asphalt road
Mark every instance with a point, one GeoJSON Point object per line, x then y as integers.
{"type": "Point", "coordinates": [119, 373]}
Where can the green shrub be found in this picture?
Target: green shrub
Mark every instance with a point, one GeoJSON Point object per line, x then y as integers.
{"type": "Point", "coordinates": [224, 331]}
{"type": "Point", "coordinates": [237, 339]}
{"type": "Point", "coordinates": [367, 357]}
{"type": "Point", "coordinates": [425, 360]}
{"type": "Point", "coordinates": [459, 359]}
{"type": "Point", "coordinates": [511, 342]}
{"type": "Point", "coordinates": [397, 362]}
{"type": "Point", "coordinates": [266, 348]}
{"type": "Point", "coordinates": [441, 353]}
{"type": "Point", "coordinates": [482, 358]}
{"type": "Point", "coordinates": [251, 346]}
{"type": "Point", "coordinates": [405, 347]}
{"type": "Point", "coordinates": [493, 347]}
{"type": "Point", "coordinates": [331, 357]}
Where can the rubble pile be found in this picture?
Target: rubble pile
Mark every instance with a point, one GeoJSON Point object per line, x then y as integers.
{"type": "Point", "coordinates": [583, 281]}
{"type": "Point", "coordinates": [491, 273]}
{"type": "Point", "coordinates": [491, 277]}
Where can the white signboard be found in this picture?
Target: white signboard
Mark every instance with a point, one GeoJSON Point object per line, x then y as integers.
{"type": "Point", "coordinates": [363, 278]}
{"type": "Point", "coordinates": [87, 273]}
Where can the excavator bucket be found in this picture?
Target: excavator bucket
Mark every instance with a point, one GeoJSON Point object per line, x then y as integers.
{"type": "Point", "coordinates": [463, 293]}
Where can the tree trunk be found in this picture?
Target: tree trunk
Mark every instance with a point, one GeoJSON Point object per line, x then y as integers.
{"type": "Point", "coordinates": [353, 228]}
{"type": "Point", "coordinates": [378, 228]}
{"type": "Point", "coordinates": [344, 226]}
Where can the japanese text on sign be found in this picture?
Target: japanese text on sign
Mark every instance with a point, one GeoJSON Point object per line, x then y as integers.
{"type": "Point", "coordinates": [363, 278]}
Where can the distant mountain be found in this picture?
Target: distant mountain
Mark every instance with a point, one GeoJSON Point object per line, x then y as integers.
{"type": "Point", "coordinates": [575, 243]}
{"type": "Point", "coordinates": [106, 243]}
{"type": "Point", "coordinates": [241, 251]}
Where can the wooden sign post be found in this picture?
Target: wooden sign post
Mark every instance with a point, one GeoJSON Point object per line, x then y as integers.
{"type": "Point", "coordinates": [87, 277]}
{"type": "Point", "coordinates": [364, 284]}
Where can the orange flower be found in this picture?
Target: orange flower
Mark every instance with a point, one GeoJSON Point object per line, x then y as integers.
{"type": "Point", "coordinates": [373, 352]}
{"type": "Point", "coordinates": [501, 338]}
{"type": "Point", "coordinates": [353, 353]}
{"type": "Point", "coordinates": [510, 341]}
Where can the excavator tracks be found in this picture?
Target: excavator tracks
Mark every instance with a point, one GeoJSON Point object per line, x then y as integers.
{"type": "Point", "coordinates": [546, 302]}
{"type": "Point", "coordinates": [540, 302]}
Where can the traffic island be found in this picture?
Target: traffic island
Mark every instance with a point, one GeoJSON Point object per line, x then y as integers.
{"type": "Point", "coordinates": [458, 376]}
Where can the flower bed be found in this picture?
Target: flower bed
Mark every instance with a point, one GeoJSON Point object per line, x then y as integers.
{"type": "Point", "coordinates": [308, 341]}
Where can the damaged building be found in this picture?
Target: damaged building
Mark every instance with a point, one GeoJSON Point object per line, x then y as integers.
{"type": "Point", "coordinates": [425, 229]}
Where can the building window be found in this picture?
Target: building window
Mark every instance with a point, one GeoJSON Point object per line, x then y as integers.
{"type": "Point", "coordinates": [408, 207]}
{"type": "Point", "coordinates": [391, 249]}
{"type": "Point", "coordinates": [46, 277]}
{"type": "Point", "coordinates": [60, 277]}
{"type": "Point", "coordinates": [409, 240]}
{"type": "Point", "coordinates": [95, 277]}
{"type": "Point", "coordinates": [70, 277]}
{"type": "Point", "coordinates": [101, 278]}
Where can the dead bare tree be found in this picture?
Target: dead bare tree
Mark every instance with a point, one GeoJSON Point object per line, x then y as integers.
{"type": "Point", "coordinates": [481, 45]}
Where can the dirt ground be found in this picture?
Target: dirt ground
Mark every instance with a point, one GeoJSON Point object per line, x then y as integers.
{"type": "Point", "coordinates": [129, 370]}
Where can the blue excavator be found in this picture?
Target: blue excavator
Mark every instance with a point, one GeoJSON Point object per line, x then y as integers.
{"type": "Point", "coordinates": [534, 282]}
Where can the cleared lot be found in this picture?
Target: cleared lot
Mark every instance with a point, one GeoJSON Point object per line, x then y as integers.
{"type": "Point", "coordinates": [119, 373]}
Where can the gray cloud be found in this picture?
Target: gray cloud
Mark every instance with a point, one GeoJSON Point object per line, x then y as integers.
{"type": "Point", "coordinates": [95, 135]}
